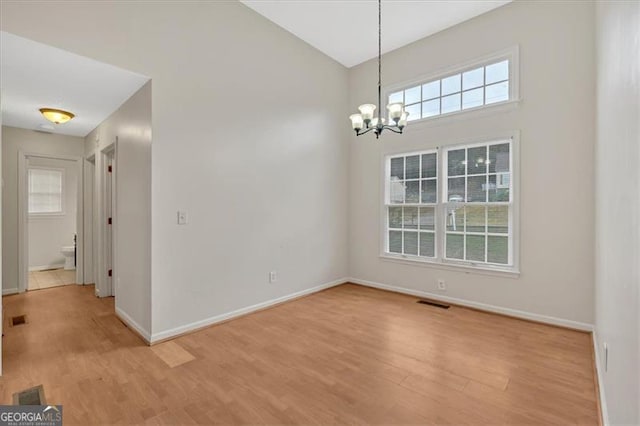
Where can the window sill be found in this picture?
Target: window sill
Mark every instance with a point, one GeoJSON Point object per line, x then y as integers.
{"type": "Point", "coordinates": [467, 269]}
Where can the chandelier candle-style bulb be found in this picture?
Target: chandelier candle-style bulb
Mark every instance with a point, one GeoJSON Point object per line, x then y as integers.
{"type": "Point", "coordinates": [357, 121]}
{"type": "Point", "coordinates": [395, 111]}
{"type": "Point", "coordinates": [367, 111]}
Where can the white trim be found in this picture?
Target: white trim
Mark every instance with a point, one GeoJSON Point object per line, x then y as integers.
{"type": "Point", "coordinates": [46, 267]}
{"type": "Point", "coordinates": [124, 317]}
{"type": "Point", "coordinates": [481, 306]}
{"type": "Point", "coordinates": [162, 335]}
{"type": "Point", "coordinates": [480, 269]}
{"type": "Point", "coordinates": [8, 291]}
{"type": "Point", "coordinates": [600, 381]}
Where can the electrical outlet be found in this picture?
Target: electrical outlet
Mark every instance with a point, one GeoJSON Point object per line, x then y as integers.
{"type": "Point", "coordinates": [606, 356]}
{"type": "Point", "coordinates": [441, 285]}
{"type": "Point", "coordinates": [273, 276]}
{"type": "Point", "coordinates": [182, 218]}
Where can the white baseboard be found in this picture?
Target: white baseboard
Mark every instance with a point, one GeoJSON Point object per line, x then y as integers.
{"type": "Point", "coordinates": [146, 336]}
{"type": "Point", "coordinates": [599, 374]}
{"type": "Point", "coordinates": [8, 291]}
{"type": "Point", "coordinates": [167, 334]}
{"type": "Point", "coordinates": [482, 306]}
{"type": "Point", "coordinates": [46, 267]}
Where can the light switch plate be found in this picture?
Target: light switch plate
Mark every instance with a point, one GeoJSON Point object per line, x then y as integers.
{"type": "Point", "coordinates": [182, 217]}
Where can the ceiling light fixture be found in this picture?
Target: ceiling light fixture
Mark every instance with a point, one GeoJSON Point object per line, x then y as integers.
{"type": "Point", "coordinates": [57, 116]}
{"type": "Point", "coordinates": [365, 121]}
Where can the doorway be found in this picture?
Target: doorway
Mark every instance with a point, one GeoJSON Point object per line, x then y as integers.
{"type": "Point", "coordinates": [106, 221]}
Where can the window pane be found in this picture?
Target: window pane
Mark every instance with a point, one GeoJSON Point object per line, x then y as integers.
{"type": "Point", "coordinates": [395, 217]}
{"type": "Point", "coordinates": [455, 246]}
{"type": "Point", "coordinates": [45, 191]}
{"type": "Point", "coordinates": [396, 97]}
{"type": "Point", "coordinates": [429, 191]}
{"type": "Point", "coordinates": [456, 162]}
{"type": "Point", "coordinates": [475, 248]}
{"type": "Point", "coordinates": [498, 219]}
{"type": "Point", "coordinates": [455, 219]}
{"type": "Point", "coordinates": [451, 84]}
{"type": "Point", "coordinates": [431, 108]}
{"type": "Point", "coordinates": [429, 165]}
{"type": "Point", "coordinates": [472, 98]}
{"type": "Point", "coordinates": [410, 218]}
{"type": "Point", "coordinates": [497, 250]}
{"type": "Point", "coordinates": [497, 93]}
{"type": "Point", "coordinates": [451, 103]}
{"type": "Point", "coordinates": [413, 167]}
{"type": "Point", "coordinates": [472, 79]}
{"type": "Point", "coordinates": [396, 192]}
{"type": "Point", "coordinates": [413, 191]}
{"type": "Point", "coordinates": [431, 90]}
{"type": "Point", "coordinates": [395, 241]}
{"type": "Point", "coordinates": [497, 72]}
{"type": "Point", "coordinates": [499, 187]}
{"type": "Point", "coordinates": [476, 160]}
{"type": "Point", "coordinates": [456, 190]}
{"type": "Point", "coordinates": [499, 158]}
{"type": "Point", "coordinates": [411, 96]}
{"type": "Point", "coordinates": [397, 168]}
{"type": "Point", "coordinates": [475, 219]}
{"type": "Point", "coordinates": [476, 189]}
{"type": "Point", "coordinates": [414, 112]}
{"type": "Point", "coordinates": [427, 218]}
{"type": "Point", "coordinates": [427, 244]}
{"type": "Point", "coordinates": [411, 243]}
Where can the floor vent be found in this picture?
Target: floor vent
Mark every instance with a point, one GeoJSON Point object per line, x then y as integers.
{"type": "Point", "coordinates": [18, 320]}
{"type": "Point", "coordinates": [32, 396]}
{"type": "Point", "coordinates": [434, 303]}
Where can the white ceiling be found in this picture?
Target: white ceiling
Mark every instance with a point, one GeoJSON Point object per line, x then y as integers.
{"type": "Point", "coordinates": [34, 75]}
{"type": "Point", "coordinates": [347, 30]}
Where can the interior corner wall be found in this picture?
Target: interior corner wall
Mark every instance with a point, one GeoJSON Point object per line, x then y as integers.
{"type": "Point", "coordinates": [555, 119]}
{"type": "Point", "coordinates": [30, 141]}
{"type": "Point", "coordinates": [617, 313]}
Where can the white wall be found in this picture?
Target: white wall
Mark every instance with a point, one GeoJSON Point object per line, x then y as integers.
{"type": "Point", "coordinates": [14, 140]}
{"type": "Point", "coordinates": [48, 234]}
{"type": "Point", "coordinates": [618, 207]}
{"type": "Point", "coordinates": [555, 120]}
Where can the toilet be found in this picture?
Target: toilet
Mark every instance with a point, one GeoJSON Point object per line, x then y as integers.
{"type": "Point", "coordinates": [69, 253]}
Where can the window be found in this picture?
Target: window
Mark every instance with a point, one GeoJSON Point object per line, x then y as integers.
{"type": "Point", "coordinates": [452, 206]}
{"type": "Point", "coordinates": [45, 191]}
{"type": "Point", "coordinates": [483, 83]}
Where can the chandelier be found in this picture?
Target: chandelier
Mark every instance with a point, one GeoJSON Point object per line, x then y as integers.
{"type": "Point", "coordinates": [364, 122]}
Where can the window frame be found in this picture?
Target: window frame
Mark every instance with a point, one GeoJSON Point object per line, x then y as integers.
{"type": "Point", "coordinates": [510, 54]}
{"type": "Point", "coordinates": [62, 211]}
{"type": "Point", "coordinates": [440, 261]}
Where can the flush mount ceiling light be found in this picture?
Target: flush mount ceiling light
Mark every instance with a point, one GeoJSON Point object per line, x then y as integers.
{"type": "Point", "coordinates": [365, 121]}
{"type": "Point", "coordinates": [57, 116]}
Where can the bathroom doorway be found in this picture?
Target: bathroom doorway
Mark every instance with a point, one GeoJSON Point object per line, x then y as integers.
{"type": "Point", "coordinates": [51, 218]}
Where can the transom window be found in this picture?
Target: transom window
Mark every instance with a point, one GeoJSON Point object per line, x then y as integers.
{"type": "Point", "coordinates": [45, 191]}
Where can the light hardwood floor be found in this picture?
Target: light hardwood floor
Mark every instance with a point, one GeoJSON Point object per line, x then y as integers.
{"type": "Point", "coordinates": [349, 354]}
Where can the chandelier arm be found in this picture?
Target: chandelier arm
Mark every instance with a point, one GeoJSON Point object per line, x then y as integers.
{"type": "Point", "coordinates": [394, 129]}
{"type": "Point", "coordinates": [367, 130]}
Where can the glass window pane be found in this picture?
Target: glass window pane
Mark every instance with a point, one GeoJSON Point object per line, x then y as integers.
{"type": "Point", "coordinates": [498, 187]}
{"type": "Point", "coordinates": [429, 193]}
{"type": "Point", "coordinates": [497, 72]}
{"type": "Point", "coordinates": [455, 219]}
{"type": "Point", "coordinates": [431, 108]}
{"type": "Point", "coordinates": [396, 97]}
{"type": "Point", "coordinates": [411, 243]}
{"type": "Point", "coordinates": [497, 250]}
{"type": "Point", "coordinates": [499, 158]}
{"type": "Point", "coordinates": [451, 103]}
{"type": "Point", "coordinates": [429, 165]}
{"type": "Point", "coordinates": [413, 167]}
{"type": "Point", "coordinates": [455, 246]}
{"type": "Point", "coordinates": [414, 112]}
{"type": "Point", "coordinates": [475, 219]}
{"type": "Point", "coordinates": [456, 190]}
{"type": "Point", "coordinates": [497, 93]}
{"type": "Point", "coordinates": [475, 248]}
{"type": "Point", "coordinates": [396, 191]}
{"type": "Point", "coordinates": [477, 189]}
{"type": "Point", "coordinates": [397, 168]}
{"type": "Point", "coordinates": [427, 218]}
{"type": "Point", "coordinates": [395, 241]}
{"type": "Point", "coordinates": [498, 219]}
{"type": "Point", "coordinates": [411, 96]}
{"type": "Point", "coordinates": [476, 160]}
{"type": "Point", "coordinates": [472, 98]}
{"type": "Point", "coordinates": [431, 90]}
{"type": "Point", "coordinates": [395, 217]}
{"type": "Point", "coordinates": [451, 84]}
{"type": "Point", "coordinates": [413, 191]}
{"type": "Point", "coordinates": [427, 244]}
{"type": "Point", "coordinates": [410, 218]}
{"type": "Point", "coordinates": [472, 79]}
{"type": "Point", "coordinates": [456, 160]}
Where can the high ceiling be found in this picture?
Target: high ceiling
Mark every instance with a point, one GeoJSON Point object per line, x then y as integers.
{"type": "Point", "coordinates": [347, 30]}
{"type": "Point", "coordinates": [34, 75]}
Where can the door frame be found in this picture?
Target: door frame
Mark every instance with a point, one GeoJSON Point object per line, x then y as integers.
{"type": "Point", "coordinates": [23, 215]}
{"type": "Point", "coordinates": [105, 285]}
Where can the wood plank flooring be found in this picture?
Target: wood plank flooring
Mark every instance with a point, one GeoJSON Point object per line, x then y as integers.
{"type": "Point", "coordinates": [349, 354]}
